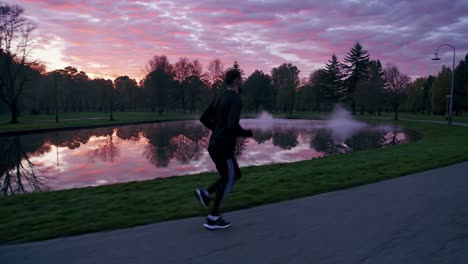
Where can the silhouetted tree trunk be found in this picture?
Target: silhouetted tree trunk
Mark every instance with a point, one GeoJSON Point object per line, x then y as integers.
{"type": "Point", "coordinates": [15, 45]}
{"type": "Point", "coordinates": [14, 112]}
{"type": "Point", "coordinates": [395, 110]}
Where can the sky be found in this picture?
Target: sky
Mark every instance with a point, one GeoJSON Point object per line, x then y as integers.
{"type": "Point", "coordinates": [113, 38]}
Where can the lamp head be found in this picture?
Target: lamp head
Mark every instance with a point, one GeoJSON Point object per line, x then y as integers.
{"type": "Point", "coordinates": [436, 57]}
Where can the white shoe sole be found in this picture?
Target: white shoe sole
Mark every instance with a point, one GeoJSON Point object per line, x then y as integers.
{"type": "Point", "coordinates": [210, 227]}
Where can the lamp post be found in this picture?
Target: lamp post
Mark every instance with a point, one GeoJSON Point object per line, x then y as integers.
{"type": "Point", "coordinates": [436, 57]}
{"type": "Point", "coordinates": [448, 105]}
{"type": "Point", "coordinates": [56, 98]}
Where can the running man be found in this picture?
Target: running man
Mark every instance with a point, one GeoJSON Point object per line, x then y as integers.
{"type": "Point", "coordinates": [222, 118]}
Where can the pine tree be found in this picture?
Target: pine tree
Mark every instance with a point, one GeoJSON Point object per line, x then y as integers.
{"type": "Point", "coordinates": [237, 67]}
{"type": "Point", "coordinates": [331, 88]}
{"type": "Point", "coordinates": [368, 96]}
{"type": "Point", "coordinates": [358, 60]}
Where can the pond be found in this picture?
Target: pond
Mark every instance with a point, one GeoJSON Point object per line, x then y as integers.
{"type": "Point", "coordinates": [100, 156]}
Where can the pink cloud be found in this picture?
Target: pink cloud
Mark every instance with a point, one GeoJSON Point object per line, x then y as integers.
{"type": "Point", "coordinates": [121, 36]}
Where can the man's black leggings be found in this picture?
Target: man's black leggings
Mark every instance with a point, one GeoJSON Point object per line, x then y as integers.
{"type": "Point", "coordinates": [230, 172]}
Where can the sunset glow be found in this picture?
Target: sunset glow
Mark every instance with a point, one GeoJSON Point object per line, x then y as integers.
{"type": "Point", "coordinates": [112, 38]}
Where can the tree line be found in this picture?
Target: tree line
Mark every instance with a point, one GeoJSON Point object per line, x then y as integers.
{"type": "Point", "coordinates": [362, 84]}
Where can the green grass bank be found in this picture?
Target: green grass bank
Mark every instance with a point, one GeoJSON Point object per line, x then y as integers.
{"type": "Point", "coordinates": [40, 216]}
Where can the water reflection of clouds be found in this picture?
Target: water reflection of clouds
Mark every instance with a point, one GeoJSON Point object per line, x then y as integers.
{"type": "Point", "coordinates": [135, 153]}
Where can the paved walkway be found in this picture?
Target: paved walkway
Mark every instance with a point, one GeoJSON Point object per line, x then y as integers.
{"type": "Point", "coordinates": [422, 218]}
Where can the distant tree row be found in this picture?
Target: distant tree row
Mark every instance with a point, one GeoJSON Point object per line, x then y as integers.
{"type": "Point", "coordinates": [368, 87]}
{"type": "Point", "coordinates": [362, 84]}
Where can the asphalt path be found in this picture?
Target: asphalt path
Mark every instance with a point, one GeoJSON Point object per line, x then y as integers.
{"type": "Point", "coordinates": [421, 218]}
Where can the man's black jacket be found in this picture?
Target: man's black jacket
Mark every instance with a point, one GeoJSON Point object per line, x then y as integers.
{"type": "Point", "coordinates": [222, 117]}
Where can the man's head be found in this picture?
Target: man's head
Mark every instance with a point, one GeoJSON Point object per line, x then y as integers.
{"type": "Point", "coordinates": [233, 79]}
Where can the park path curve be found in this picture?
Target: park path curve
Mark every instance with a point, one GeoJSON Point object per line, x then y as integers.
{"type": "Point", "coordinates": [421, 218]}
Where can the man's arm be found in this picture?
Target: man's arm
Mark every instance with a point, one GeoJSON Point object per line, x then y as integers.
{"type": "Point", "coordinates": [233, 122]}
{"type": "Point", "coordinates": [207, 118]}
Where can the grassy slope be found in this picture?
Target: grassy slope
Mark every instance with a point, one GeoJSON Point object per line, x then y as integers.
{"type": "Point", "coordinates": [41, 216]}
{"type": "Point", "coordinates": [48, 122]}
{"type": "Point", "coordinates": [37, 122]}
{"type": "Point", "coordinates": [460, 119]}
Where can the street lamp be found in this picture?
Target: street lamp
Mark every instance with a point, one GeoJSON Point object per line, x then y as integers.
{"type": "Point", "coordinates": [436, 58]}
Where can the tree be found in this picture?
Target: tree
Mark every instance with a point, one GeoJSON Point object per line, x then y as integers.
{"type": "Point", "coordinates": [414, 101]}
{"type": "Point", "coordinates": [216, 71]}
{"type": "Point", "coordinates": [460, 89]}
{"type": "Point", "coordinates": [396, 84]}
{"type": "Point", "coordinates": [196, 69]}
{"type": "Point", "coordinates": [102, 92]}
{"type": "Point", "coordinates": [331, 87]}
{"type": "Point", "coordinates": [107, 91]}
{"type": "Point", "coordinates": [216, 76]}
{"type": "Point", "coordinates": [81, 81]}
{"type": "Point", "coordinates": [426, 95]}
{"type": "Point", "coordinates": [358, 60]}
{"type": "Point", "coordinates": [195, 86]}
{"type": "Point", "coordinates": [237, 67]}
{"type": "Point", "coordinates": [285, 81]}
{"type": "Point", "coordinates": [316, 80]}
{"type": "Point", "coordinates": [258, 91]}
{"type": "Point", "coordinates": [440, 89]}
{"type": "Point", "coordinates": [15, 45]}
{"type": "Point", "coordinates": [369, 92]}
{"type": "Point", "coordinates": [182, 72]}
{"type": "Point", "coordinates": [125, 89]}
{"type": "Point", "coordinates": [308, 94]}
{"type": "Point", "coordinates": [158, 82]}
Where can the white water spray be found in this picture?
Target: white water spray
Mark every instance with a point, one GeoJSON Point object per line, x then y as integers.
{"type": "Point", "coordinates": [265, 117]}
{"type": "Point", "coordinates": [342, 125]}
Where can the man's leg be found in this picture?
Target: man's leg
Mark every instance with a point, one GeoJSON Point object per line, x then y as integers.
{"type": "Point", "coordinates": [213, 187]}
{"type": "Point", "coordinates": [204, 195]}
{"type": "Point", "coordinates": [229, 171]}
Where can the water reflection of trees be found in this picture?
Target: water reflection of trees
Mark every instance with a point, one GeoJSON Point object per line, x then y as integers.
{"type": "Point", "coordinates": [184, 142]}
{"type": "Point", "coordinates": [188, 144]}
{"type": "Point", "coordinates": [160, 149]}
{"type": "Point", "coordinates": [323, 141]}
{"type": "Point", "coordinates": [131, 133]}
{"type": "Point", "coordinates": [106, 149]}
{"type": "Point", "coordinates": [168, 141]}
{"type": "Point", "coordinates": [163, 142]}
{"type": "Point", "coordinates": [261, 136]}
{"type": "Point", "coordinates": [17, 173]}
{"type": "Point", "coordinates": [285, 138]}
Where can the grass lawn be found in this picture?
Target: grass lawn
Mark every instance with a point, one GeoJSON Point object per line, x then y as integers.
{"type": "Point", "coordinates": [40, 216]}
{"type": "Point", "coordinates": [75, 120]}
{"type": "Point", "coordinates": [460, 119]}
{"type": "Point", "coordinates": [38, 122]}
